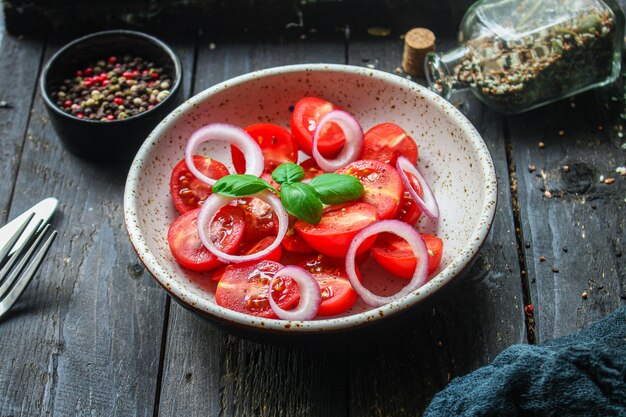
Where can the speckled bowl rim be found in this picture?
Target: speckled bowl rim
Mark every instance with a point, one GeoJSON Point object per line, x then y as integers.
{"type": "Point", "coordinates": [208, 308]}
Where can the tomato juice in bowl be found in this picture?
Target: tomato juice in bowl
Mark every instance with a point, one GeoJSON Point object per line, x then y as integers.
{"type": "Point", "coordinates": [448, 144]}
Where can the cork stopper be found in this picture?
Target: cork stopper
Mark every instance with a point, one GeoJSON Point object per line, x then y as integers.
{"type": "Point", "coordinates": [417, 43]}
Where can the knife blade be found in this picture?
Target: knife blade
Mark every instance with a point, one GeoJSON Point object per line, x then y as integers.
{"type": "Point", "coordinates": [43, 211]}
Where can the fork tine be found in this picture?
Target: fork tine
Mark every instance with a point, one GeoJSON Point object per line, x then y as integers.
{"type": "Point", "coordinates": [9, 274]}
{"type": "Point", "coordinates": [15, 293]}
{"type": "Point", "coordinates": [9, 245]}
{"type": "Point", "coordinates": [6, 280]}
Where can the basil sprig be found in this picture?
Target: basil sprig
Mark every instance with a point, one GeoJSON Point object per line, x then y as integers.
{"type": "Point", "coordinates": [337, 188]}
{"type": "Point", "coordinates": [240, 185]}
{"type": "Point", "coordinates": [302, 200]}
{"type": "Point", "coordinates": [288, 173]}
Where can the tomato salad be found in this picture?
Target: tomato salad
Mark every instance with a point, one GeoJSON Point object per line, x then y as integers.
{"type": "Point", "coordinates": [358, 194]}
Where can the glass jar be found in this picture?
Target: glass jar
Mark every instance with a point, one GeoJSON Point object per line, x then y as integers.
{"type": "Point", "coordinates": [516, 55]}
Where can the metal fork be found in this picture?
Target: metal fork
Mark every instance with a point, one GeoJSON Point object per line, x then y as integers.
{"type": "Point", "coordinates": [20, 258]}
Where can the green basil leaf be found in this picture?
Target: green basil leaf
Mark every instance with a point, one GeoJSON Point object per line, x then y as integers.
{"type": "Point", "coordinates": [337, 188]}
{"type": "Point", "coordinates": [302, 201]}
{"type": "Point", "coordinates": [240, 185]}
{"type": "Point", "coordinates": [286, 173]}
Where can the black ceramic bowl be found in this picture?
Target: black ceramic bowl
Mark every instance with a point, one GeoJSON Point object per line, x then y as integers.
{"type": "Point", "coordinates": [117, 139]}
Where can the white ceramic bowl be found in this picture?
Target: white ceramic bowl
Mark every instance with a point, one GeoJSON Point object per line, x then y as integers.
{"type": "Point", "coordinates": [453, 157]}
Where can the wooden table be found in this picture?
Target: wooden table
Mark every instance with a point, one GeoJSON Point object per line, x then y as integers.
{"type": "Point", "coordinates": [94, 334]}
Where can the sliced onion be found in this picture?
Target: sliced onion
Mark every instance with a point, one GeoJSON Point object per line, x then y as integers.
{"type": "Point", "coordinates": [414, 239]}
{"type": "Point", "coordinates": [429, 204]}
{"type": "Point", "coordinates": [226, 133]}
{"type": "Point", "coordinates": [310, 294]}
{"type": "Point", "coordinates": [352, 147]}
{"type": "Point", "coordinates": [215, 202]}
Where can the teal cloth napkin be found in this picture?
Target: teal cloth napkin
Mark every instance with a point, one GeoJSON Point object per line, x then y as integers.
{"type": "Point", "coordinates": [582, 374]}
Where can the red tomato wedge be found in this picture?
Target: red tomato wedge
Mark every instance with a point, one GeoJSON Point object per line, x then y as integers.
{"type": "Point", "coordinates": [277, 144]}
{"type": "Point", "coordinates": [244, 288]}
{"type": "Point", "coordinates": [386, 141]}
{"type": "Point", "coordinates": [267, 177]}
{"type": "Point", "coordinates": [187, 191]}
{"type": "Point", "coordinates": [410, 211]}
{"type": "Point", "coordinates": [306, 114]}
{"type": "Point", "coordinates": [311, 170]}
{"type": "Point", "coordinates": [260, 218]}
{"type": "Point", "coordinates": [382, 184]}
{"type": "Point", "coordinates": [330, 273]}
{"type": "Point", "coordinates": [340, 223]}
{"type": "Point", "coordinates": [293, 242]}
{"type": "Point", "coordinates": [184, 241]}
{"type": "Point", "coordinates": [259, 246]}
{"type": "Point", "coordinates": [395, 255]}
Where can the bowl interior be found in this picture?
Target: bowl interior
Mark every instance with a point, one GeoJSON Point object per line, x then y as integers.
{"type": "Point", "coordinates": [452, 157]}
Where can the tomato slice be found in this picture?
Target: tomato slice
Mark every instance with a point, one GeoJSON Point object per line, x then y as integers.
{"type": "Point", "coordinates": [293, 242]}
{"type": "Point", "coordinates": [277, 144]}
{"type": "Point", "coordinates": [184, 241]}
{"type": "Point", "coordinates": [330, 273]}
{"type": "Point", "coordinates": [311, 170]}
{"type": "Point", "coordinates": [267, 177]}
{"type": "Point", "coordinates": [395, 255]}
{"type": "Point", "coordinates": [386, 141]}
{"type": "Point", "coordinates": [340, 223]}
{"type": "Point", "coordinates": [243, 287]}
{"type": "Point", "coordinates": [187, 191]}
{"type": "Point", "coordinates": [382, 184]}
{"type": "Point", "coordinates": [306, 115]}
{"type": "Point", "coordinates": [260, 218]}
{"type": "Point", "coordinates": [410, 211]}
{"type": "Point", "coordinates": [249, 249]}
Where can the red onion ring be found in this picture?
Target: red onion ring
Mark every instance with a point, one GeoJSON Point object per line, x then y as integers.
{"type": "Point", "coordinates": [415, 240]}
{"type": "Point", "coordinates": [429, 204]}
{"type": "Point", "coordinates": [215, 202]}
{"type": "Point", "coordinates": [352, 147]}
{"type": "Point", "coordinates": [227, 133]}
{"type": "Point", "coordinates": [310, 294]}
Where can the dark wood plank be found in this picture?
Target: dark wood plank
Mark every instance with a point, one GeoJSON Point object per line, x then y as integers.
{"type": "Point", "coordinates": [209, 372]}
{"type": "Point", "coordinates": [467, 325]}
{"type": "Point", "coordinates": [85, 337]}
{"type": "Point", "coordinates": [19, 67]}
{"type": "Point", "coordinates": [581, 230]}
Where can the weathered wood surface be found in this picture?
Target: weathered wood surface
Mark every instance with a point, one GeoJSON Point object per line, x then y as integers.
{"type": "Point", "coordinates": [576, 237]}
{"type": "Point", "coordinates": [264, 16]}
{"type": "Point", "coordinates": [18, 82]}
{"type": "Point", "coordinates": [85, 338]}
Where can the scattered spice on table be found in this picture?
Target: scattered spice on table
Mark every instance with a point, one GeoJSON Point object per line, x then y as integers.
{"type": "Point", "coordinates": [113, 89]}
{"type": "Point", "coordinates": [584, 295]}
{"type": "Point", "coordinates": [531, 168]}
{"type": "Point", "coordinates": [565, 168]}
{"type": "Point", "coordinates": [555, 270]}
{"type": "Point", "coordinates": [541, 145]}
{"type": "Point", "coordinates": [609, 181]}
{"type": "Point", "coordinates": [542, 258]}
{"type": "Point", "coordinates": [529, 309]}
